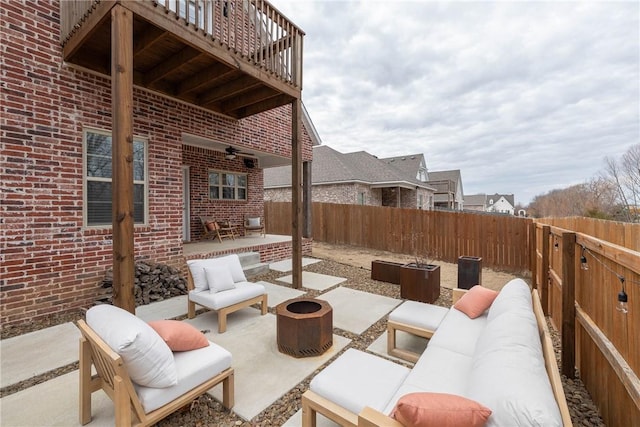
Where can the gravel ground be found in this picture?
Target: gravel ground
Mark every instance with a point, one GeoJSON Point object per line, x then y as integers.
{"type": "Point", "coordinates": [206, 411]}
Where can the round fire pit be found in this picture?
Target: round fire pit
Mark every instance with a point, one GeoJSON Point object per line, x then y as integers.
{"type": "Point", "coordinates": [305, 327]}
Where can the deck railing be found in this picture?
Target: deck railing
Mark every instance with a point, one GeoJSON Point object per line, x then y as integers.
{"type": "Point", "coordinates": [252, 29]}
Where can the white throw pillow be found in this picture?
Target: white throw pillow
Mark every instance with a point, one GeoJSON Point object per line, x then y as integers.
{"type": "Point", "coordinates": [254, 222]}
{"type": "Point", "coordinates": [147, 357]}
{"type": "Point", "coordinates": [219, 278]}
{"type": "Point", "coordinates": [232, 262]}
{"type": "Point", "coordinates": [196, 266]}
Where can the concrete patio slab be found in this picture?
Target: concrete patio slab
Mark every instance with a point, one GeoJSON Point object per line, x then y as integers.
{"type": "Point", "coordinates": [286, 265]}
{"type": "Point", "coordinates": [355, 311]}
{"type": "Point", "coordinates": [165, 309]}
{"type": "Point", "coordinates": [278, 293]}
{"type": "Point", "coordinates": [404, 341]}
{"type": "Point", "coordinates": [54, 403]}
{"type": "Point", "coordinates": [318, 282]}
{"type": "Point", "coordinates": [262, 373]}
{"type": "Point", "coordinates": [37, 352]}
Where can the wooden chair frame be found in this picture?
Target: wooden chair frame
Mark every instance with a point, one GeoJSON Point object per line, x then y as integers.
{"type": "Point", "coordinates": [220, 230]}
{"type": "Point", "coordinates": [223, 312]}
{"type": "Point", "coordinates": [313, 403]}
{"type": "Point", "coordinates": [113, 378]}
{"type": "Point", "coordinates": [254, 229]}
{"type": "Point", "coordinates": [392, 327]}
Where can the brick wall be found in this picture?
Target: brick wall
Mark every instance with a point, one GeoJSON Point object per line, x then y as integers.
{"type": "Point", "coordinates": [335, 193]}
{"type": "Point", "coordinates": [51, 263]}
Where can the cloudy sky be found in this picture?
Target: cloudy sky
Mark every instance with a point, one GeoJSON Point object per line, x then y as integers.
{"type": "Point", "coordinates": [522, 97]}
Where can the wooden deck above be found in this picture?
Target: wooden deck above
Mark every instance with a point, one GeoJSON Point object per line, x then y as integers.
{"type": "Point", "coordinates": [233, 57]}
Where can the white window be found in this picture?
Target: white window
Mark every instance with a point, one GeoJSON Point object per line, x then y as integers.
{"type": "Point", "coordinates": [227, 185]}
{"type": "Point", "coordinates": [361, 198]}
{"type": "Point", "coordinates": [98, 175]}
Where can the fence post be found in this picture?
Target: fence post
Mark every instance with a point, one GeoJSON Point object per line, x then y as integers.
{"type": "Point", "coordinates": [568, 304]}
{"type": "Point", "coordinates": [544, 281]}
{"type": "Point", "coordinates": [533, 254]}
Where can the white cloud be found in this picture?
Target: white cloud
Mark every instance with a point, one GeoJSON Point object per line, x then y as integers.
{"type": "Point", "coordinates": [523, 97]}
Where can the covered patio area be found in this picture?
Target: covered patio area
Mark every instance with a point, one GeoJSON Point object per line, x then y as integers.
{"type": "Point", "coordinates": [272, 247]}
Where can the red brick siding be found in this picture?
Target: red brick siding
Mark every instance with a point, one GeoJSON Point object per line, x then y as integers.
{"type": "Point", "coordinates": [50, 262]}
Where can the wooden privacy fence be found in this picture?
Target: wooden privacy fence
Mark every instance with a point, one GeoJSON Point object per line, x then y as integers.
{"type": "Point", "coordinates": [581, 299]}
{"type": "Point", "coordinates": [624, 234]}
{"type": "Point", "coordinates": [501, 241]}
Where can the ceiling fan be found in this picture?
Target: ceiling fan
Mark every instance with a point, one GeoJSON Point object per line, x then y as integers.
{"type": "Point", "coordinates": [231, 153]}
{"type": "Point", "coordinates": [249, 159]}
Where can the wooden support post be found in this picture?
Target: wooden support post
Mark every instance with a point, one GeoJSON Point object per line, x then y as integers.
{"type": "Point", "coordinates": [296, 193]}
{"type": "Point", "coordinates": [122, 157]}
{"type": "Point", "coordinates": [533, 254]}
{"type": "Point", "coordinates": [568, 304]}
{"type": "Point", "coordinates": [544, 275]}
{"type": "Point", "coordinates": [307, 199]}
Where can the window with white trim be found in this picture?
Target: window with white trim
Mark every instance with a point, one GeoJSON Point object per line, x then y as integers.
{"type": "Point", "coordinates": [97, 210]}
{"type": "Point", "coordinates": [225, 185]}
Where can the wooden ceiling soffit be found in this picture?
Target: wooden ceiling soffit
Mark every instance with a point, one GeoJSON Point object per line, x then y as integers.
{"type": "Point", "coordinates": [259, 107]}
{"type": "Point", "coordinates": [172, 65]}
{"type": "Point", "coordinates": [146, 41]}
{"type": "Point", "coordinates": [190, 36]}
{"type": "Point", "coordinates": [215, 73]}
{"type": "Point", "coordinates": [101, 13]}
{"type": "Point", "coordinates": [237, 86]}
{"type": "Point", "coordinates": [248, 98]}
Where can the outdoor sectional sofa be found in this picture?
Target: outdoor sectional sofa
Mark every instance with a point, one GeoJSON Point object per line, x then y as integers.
{"type": "Point", "coordinates": [502, 360]}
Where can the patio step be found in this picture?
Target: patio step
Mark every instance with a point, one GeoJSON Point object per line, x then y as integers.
{"type": "Point", "coordinates": [251, 264]}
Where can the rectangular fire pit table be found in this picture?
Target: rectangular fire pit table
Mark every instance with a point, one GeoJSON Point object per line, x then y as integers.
{"type": "Point", "coordinates": [305, 327]}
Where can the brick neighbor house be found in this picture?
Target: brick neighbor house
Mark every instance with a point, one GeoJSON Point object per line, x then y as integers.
{"type": "Point", "coordinates": [358, 178]}
{"type": "Point", "coordinates": [202, 99]}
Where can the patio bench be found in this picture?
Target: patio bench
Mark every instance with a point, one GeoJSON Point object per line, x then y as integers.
{"type": "Point", "coordinates": [498, 367]}
{"type": "Point", "coordinates": [219, 284]}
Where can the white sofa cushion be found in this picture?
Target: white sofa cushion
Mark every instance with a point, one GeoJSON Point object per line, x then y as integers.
{"type": "Point", "coordinates": [509, 374]}
{"type": "Point", "coordinates": [193, 368]}
{"type": "Point", "coordinates": [242, 292]}
{"type": "Point", "coordinates": [419, 314]}
{"type": "Point", "coordinates": [197, 266]}
{"type": "Point", "coordinates": [357, 379]}
{"type": "Point", "coordinates": [235, 267]}
{"type": "Point", "coordinates": [438, 370]}
{"type": "Point", "coordinates": [515, 293]}
{"type": "Point", "coordinates": [218, 278]}
{"type": "Point", "coordinates": [457, 332]}
{"type": "Point", "coordinates": [148, 359]}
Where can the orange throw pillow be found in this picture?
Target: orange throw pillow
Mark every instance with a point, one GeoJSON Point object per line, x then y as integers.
{"type": "Point", "coordinates": [211, 225]}
{"type": "Point", "coordinates": [439, 409]}
{"type": "Point", "coordinates": [179, 336]}
{"type": "Point", "coordinates": [476, 301]}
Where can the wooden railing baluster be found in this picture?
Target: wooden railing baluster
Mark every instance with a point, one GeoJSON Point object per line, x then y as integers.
{"type": "Point", "coordinates": [251, 28]}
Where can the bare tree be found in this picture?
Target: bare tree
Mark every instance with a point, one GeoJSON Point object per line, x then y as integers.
{"type": "Point", "coordinates": [625, 174]}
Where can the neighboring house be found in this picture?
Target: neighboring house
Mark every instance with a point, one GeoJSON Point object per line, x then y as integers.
{"type": "Point", "coordinates": [501, 203]}
{"type": "Point", "coordinates": [449, 193]}
{"type": "Point", "coordinates": [208, 111]}
{"type": "Point", "coordinates": [352, 178]}
{"type": "Point", "coordinates": [475, 202]}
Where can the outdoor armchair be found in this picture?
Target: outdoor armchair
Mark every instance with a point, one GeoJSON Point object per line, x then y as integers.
{"type": "Point", "coordinates": [136, 368]}
{"type": "Point", "coordinates": [254, 224]}
{"type": "Point", "coordinates": [219, 284]}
